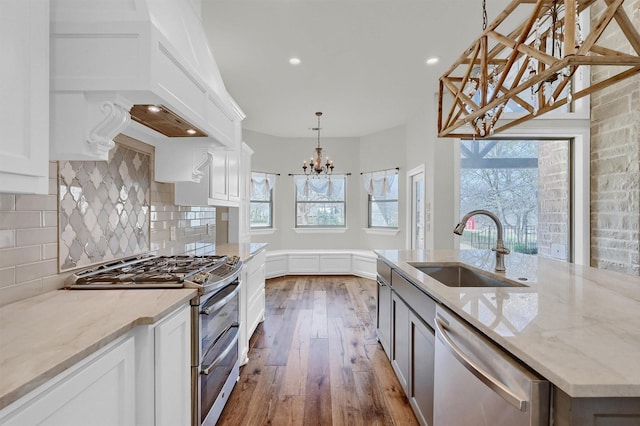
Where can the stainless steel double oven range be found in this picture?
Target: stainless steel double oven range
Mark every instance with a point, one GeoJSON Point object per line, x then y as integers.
{"type": "Point", "coordinates": [215, 323]}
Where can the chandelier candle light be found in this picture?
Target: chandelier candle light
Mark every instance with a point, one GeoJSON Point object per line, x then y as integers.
{"type": "Point", "coordinates": [531, 65]}
{"type": "Point", "coordinates": [316, 167]}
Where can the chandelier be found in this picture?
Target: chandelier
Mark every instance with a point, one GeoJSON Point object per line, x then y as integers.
{"type": "Point", "coordinates": [531, 67]}
{"type": "Point", "coordinates": [315, 167]}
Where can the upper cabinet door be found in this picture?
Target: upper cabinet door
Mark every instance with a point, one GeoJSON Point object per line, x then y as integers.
{"type": "Point", "coordinates": [24, 84]}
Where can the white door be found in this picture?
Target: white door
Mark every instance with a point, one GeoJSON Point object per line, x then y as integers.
{"type": "Point", "coordinates": [417, 208]}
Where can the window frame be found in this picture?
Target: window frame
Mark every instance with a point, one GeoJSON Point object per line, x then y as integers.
{"type": "Point", "coordinates": [369, 213]}
{"type": "Point", "coordinates": [298, 226]}
{"type": "Point", "coordinates": [270, 203]}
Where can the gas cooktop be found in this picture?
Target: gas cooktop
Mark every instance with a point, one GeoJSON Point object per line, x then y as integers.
{"type": "Point", "coordinates": [151, 271]}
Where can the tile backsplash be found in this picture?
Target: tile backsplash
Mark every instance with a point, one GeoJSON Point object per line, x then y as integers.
{"type": "Point", "coordinates": [29, 230]}
{"type": "Point", "coordinates": [103, 208]}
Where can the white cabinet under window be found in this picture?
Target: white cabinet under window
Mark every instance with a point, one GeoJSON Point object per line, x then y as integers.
{"type": "Point", "coordinates": [24, 84]}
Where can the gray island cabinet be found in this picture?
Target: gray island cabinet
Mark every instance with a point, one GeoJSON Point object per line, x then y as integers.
{"type": "Point", "coordinates": [554, 326]}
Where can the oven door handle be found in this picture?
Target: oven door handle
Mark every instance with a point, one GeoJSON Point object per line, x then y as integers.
{"type": "Point", "coordinates": [206, 368]}
{"type": "Point", "coordinates": [215, 305]}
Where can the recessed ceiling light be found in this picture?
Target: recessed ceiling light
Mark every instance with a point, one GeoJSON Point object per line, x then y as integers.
{"type": "Point", "coordinates": [153, 108]}
{"type": "Point", "coordinates": [191, 131]}
{"type": "Point", "coordinates": [295, 61]}
{"type": "Point", "coordinates": [433, 60]}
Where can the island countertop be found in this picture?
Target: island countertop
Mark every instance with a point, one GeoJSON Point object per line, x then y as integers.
{"type": "Point", "coordinates": [577, 326]}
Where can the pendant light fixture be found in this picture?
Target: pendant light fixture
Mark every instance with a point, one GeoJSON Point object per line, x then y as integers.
{"type": "Point", "coordinates": [531, 68]}
{"type": "Point", "coordinates": [316, 167]}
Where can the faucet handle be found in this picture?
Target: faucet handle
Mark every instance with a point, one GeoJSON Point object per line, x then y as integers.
{"type": "Point", "coordinates": [501, 250]}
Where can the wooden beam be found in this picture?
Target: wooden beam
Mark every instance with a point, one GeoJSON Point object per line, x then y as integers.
{"type": "Point", "coordinates": [627, 27]}
{"type": "Point", "coordinates": [569, 27]}
{"type": "Point", "coordinates": [599, 27]}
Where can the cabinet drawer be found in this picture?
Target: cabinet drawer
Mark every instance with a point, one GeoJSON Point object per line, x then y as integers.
{"type": "Point", "coordinates": [384, 271]}
{"type": "Point", "coordinates": [418, 301]}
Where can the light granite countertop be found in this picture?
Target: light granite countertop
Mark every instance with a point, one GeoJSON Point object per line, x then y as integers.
{"type": "Point", "coordinates": [244, 251]}
{"type": "Point", "coordinates": [579, 327]}
{"type": "Point", "coordinates": [44, 335]}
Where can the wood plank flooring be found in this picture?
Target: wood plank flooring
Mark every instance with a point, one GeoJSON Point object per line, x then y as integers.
{"type": "Point", "coordinates": [316, 361]}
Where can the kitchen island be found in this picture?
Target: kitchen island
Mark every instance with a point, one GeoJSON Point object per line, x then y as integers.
{"type": "Point", "coordinates": [576, 326]}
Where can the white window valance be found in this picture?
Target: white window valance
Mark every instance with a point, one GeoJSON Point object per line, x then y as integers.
{"type": "Point", "coordinates": [262, 184]}
{"type": "Point", "coordinates": [379, 183]}
{"type": "Point", "coordinates": [327, 186]}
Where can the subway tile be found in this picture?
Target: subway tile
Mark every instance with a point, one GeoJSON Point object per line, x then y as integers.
{"type": "Point", "coordinates": [50, 251]}
{"type": "Point", "coordinates": [50, 218]}
{"type": "Point", "coordinates": [32, 271]}
{"type": "Point", "coordinates": [19, 256]}
{"type": "Point", "coordinates": [7, 238]}
{"type": "Point", "coordinates": [54, 282]}
{"type": "Point", "coordinates": [7, 202]}
{"type": "Point", "coordinates": [21, 291]}
{"type": "Point", "coordinates": [7, 277]}
{"type": "Point", "coordinates": [29, 237]}
{"type": "Point", "coordinates": [36, 202]}
{"type": "Point", "coordinates": [19, 220]}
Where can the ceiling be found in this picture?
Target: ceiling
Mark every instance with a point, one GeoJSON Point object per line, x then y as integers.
{"type": "Point", "coordinates": [363, 61]}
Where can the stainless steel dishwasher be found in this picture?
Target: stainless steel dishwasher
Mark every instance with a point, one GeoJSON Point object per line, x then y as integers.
{"type": "Point", "coordinates": [478, 384]}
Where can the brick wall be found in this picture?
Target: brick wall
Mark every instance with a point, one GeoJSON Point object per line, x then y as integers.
{"type": "Point", "coordinates": [29, 234]}
{"type": "Point", "coordinates": [615, 163]}
{"type": "Point", "coordinates": [553, 198]}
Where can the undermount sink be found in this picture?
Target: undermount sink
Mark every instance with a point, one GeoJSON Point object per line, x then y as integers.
{"type": "Point", "coordinates": [462, 276]}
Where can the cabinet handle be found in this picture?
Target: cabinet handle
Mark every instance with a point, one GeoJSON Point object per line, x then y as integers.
{"type": "Point", "coordinates": [486, 378]}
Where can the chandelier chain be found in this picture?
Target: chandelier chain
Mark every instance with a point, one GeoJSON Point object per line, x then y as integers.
{"type": "Point", "coordinates": [484, 15]}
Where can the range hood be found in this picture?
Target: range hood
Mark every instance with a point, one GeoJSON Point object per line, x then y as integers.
{"type": "Point", "coordinates": [112, 58]}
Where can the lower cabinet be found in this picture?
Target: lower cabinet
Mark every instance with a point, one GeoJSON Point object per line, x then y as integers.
{"type": "Point", "coordinates": [141, 378]}
{"type": "Point", "coordinates": [400, 348]}
{"type": "Point", "coordinates": [422, 358]}
{"type": "Point", "coordinates": [99, 390]}
{"type": "Point", "coordinates": [253, 305]}
{"type": "Point", "coordinates": [405, 317]}
{"type": "Point", "coordinates": [172, 404]}
{"type": "Point", "coordinates": [383, 315]}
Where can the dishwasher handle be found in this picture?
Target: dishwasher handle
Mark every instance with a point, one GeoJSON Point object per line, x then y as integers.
{"type": "Point", "coordinates": [486, 378]}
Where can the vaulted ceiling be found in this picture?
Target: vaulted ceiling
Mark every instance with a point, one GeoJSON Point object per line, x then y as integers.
{"type": "Point", "coordinates": [363, 61]}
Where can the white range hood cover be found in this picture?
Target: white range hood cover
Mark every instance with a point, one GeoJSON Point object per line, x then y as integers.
{"type": "Point", "coordinates": [108, 55]}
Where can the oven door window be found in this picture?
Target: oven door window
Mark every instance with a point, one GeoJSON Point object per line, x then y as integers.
{"type": "Point", "coordinates": [217, 314]}
{"type": "Point", "coordinates": [216, 367]}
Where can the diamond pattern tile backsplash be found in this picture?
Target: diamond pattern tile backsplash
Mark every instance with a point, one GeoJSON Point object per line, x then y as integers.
{"type": "Point", "coordinates": [103, 208]}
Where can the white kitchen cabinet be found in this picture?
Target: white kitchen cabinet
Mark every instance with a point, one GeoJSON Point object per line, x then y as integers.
{"type": "Point", "coordinates": [100, 390]}
{"type": "Point", "coordinates": [173, 369]}
{"type": "Point", "coordinates": [225, 177]}
{"type": "Point", "coordinates": [24, 84]}
{"type": "Point", "coordinates": [254, 302]}
{"type": "Point", "coordinates": [143, 378]}
{"type": "Point", "coordinates": [219, 184]}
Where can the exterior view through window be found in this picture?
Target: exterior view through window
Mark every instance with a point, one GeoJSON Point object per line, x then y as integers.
{"type": "Point", "coordinates": [321, 201]}
{"type": "Point", "coordinates": [526, 183]}
{"type": "Point", "coordinates": [261, 203]}
{"type": "Point", "coordinates": [382, 190]}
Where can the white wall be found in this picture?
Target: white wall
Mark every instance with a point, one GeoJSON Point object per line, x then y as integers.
{"type": "Point", "coordinates": [285, 155]}
{"type": "Point", "coordinates": [439, 158]}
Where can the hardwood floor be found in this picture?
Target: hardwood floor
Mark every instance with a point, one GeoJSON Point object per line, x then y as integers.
{"type": "Point", "coordinates": [315, 359]}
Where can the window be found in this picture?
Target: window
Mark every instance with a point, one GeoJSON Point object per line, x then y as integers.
{"type": "Point", "coordinates": [382, 188]}
{"type": "Point", "coordinates": [321, 202]}
{"type": "Point", "coordinates": [526, 183]}
{"type": "Point", "coordinates": [261, 203]}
